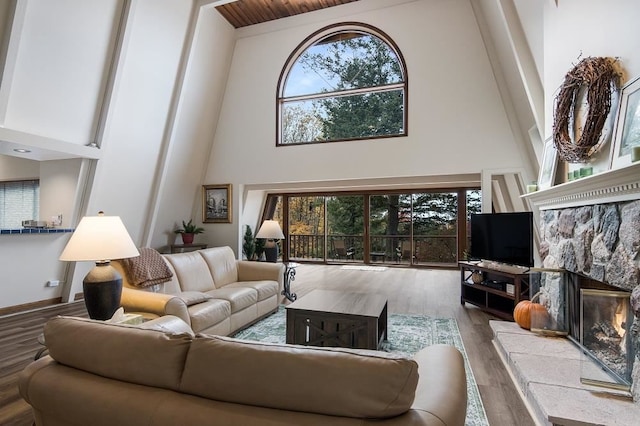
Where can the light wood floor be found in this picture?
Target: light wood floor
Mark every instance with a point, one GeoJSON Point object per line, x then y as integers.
{"type": "Point", "coordinates": [409, 291]}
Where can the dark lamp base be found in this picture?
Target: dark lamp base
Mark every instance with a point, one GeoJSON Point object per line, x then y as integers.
{"type": "Point", "coordinates": [271, 253]}
{"type": "Point", "coordinates": [102, 291]}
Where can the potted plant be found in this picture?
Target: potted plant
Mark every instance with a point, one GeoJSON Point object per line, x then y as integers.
{"type": "Point", "coordinates": [249, 244]}
{"type": "Point", "coordinates": [252, 247]}
{"type": "Point", "coordinates": [188, 230]}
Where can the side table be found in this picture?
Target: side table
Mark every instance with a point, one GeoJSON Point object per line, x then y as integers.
{"type": "Point", "coordinates": [181, 248]}
{"type": "Point", "coordinates": [289, 275]}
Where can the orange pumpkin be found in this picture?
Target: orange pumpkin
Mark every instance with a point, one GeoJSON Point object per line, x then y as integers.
{"type": "Point", "coordinates": [523, 312]}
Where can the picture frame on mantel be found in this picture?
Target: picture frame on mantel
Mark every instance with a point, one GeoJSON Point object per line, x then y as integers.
{"type": "Point", "coordinates": [547, 175]}
{"type": "Point", "coordinates": [627, 130]}
{"type": "Point", "coordinates": [216, 203]}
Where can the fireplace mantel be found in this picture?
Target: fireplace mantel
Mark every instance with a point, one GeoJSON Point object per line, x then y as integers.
{"type": "Point", "coordinates": [612, 186]}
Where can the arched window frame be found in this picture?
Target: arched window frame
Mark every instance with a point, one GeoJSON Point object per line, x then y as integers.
{"type": "Point", "coordinates": [313, 39]}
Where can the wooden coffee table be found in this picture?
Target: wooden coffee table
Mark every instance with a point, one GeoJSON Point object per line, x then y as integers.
{"type": "Point", "coordinates": [336, 318]}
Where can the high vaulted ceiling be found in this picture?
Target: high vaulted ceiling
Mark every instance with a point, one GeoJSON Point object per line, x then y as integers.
{"type": "Point", "coordinates": [243, 13]}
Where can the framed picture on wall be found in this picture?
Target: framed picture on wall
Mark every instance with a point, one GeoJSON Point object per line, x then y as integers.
{"type": "Point", "coordinates": [547, 175]}
{"type": "Point", "coordinates": [216, 203]}
{"type": "Point", "coordinates": [627, 132]}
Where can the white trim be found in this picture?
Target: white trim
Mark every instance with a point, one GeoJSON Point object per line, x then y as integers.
{"type": "Point", "coordinates": [612, 186]}
{"type": "Point", "coordinates": [17, 23]}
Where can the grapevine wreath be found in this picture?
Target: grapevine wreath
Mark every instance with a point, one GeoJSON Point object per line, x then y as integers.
{"type": "Point", "coordinates": [600, 79]}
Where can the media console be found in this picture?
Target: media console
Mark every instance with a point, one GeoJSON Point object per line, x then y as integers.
{"type": "Point", "coordinates": [493, 287]}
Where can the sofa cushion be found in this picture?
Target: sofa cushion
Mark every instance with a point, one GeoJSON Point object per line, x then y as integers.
{"type": "Point", "coordinates": [168, 324]}
{"type": "Point", "coordinates": [193, 297]}
{"type": "Point", "coordinates": [222, 264]}
{"type": "Point", "coordinates": [239, 297]}
{"type": "Point", "coordinates": [171, 286]}
{"type": "Point", "coordinates": [209, 313]}
{"type": "Point", "coordinates": [121, 352]}
{"type": "Point", "coordinates": [365, 384]}
{"type": "Point", "coordinates": [265, 289]}
{"type": "Point", "coordinates": [192, 271]}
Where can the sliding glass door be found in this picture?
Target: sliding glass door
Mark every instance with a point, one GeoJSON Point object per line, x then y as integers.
{"type": "Point", "coordinates": [345, 228]}
{"type": "Point", "coordinates": [427, 228]}
{"type": "Point", "coordinates": [306, 227]}
{"type": "Point", "coordinates": [390, 227]}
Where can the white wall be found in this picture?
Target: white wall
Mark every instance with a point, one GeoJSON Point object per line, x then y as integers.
{"type": "Point", "coordinates": [457, 122]}
{"type": "Point", "coordinates": [58, 189]}
{"type": "Point", "coordinates": [577, 29]}
{"type": "Point", "coordinates": [196, 120]}
{"type": "Point", "coordinates": [53, 86]}
{"type": "Point", "coordinates": [135, 129]}
{"type": "Point", "coordinates": [135, 137]}
{"type": "Point", "coordinates": [27, 262]}
{"type": "Point", "coordinates": [12, 168]}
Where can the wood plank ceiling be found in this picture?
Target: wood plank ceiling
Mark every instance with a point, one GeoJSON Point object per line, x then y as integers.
{"type": "Point", "coordinates": [243, 13]}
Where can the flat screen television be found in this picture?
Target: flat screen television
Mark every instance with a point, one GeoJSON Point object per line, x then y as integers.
{"type": "Point", "coordinates": [502, 237]}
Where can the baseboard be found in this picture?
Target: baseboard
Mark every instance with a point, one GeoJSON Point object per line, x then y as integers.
{"type": "Point", "coordinates": [29, 306]}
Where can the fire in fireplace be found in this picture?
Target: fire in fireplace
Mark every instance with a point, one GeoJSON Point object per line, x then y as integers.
{"type": "Point", "coordinates": [600, 318]}
{"type": "Point", "coordinates": [604, 326]}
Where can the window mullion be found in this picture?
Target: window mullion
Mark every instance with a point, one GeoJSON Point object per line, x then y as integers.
{"type": "Point", "coordinates": [343, 93]}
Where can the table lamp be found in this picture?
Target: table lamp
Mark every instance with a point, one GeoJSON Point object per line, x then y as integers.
{"type": "Point", "coordinates": [100, 239]}
{"type": "Point", "coordinates": [271, 231]}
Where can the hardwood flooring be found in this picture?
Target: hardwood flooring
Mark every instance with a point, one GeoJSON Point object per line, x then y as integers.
{"type": "Point", "coordinates": [409, 291]}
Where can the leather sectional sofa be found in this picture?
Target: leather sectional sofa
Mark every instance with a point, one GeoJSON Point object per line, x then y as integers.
{"type": "Point", "coordinates": [111, 374]}
{"type": "Point", "coordinates": [210, 290]}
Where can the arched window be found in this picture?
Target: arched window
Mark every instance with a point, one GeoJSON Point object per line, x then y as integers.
{"type": "Point", "coordinates": [344, 82]}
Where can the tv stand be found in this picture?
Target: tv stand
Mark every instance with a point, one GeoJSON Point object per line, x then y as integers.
{"type": "Point", "coordinates": [504, 267]}
{"type": "Point", "coordinates": [493, 287]}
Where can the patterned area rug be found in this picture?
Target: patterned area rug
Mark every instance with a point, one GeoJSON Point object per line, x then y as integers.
{"type": "Point", "coordinates": [407, 335]}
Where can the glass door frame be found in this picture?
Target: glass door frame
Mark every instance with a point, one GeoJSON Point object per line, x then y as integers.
{"type": "Point", "coordinates": [461, 233]}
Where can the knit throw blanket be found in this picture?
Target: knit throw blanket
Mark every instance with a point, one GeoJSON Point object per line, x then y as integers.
{"type": "Point", "coordinates": [146, 270]}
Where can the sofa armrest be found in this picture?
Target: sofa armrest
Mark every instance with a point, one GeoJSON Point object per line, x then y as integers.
{"type": "Point", "coordinates": [442, 387]}
{"type": "Point", "coordinates": [168, 324]}
{"type": "Point", "coordinates": [257, 271]}
{"type": "Point", "coordinates": [159, 304]}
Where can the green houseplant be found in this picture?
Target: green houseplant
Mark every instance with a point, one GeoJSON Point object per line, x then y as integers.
{"type": "Point", "coordinates": [188, 230]}
{"type": "Point", "coordinates": [249, 244]}
{"type": "Point", "coordinates": [252, 247]}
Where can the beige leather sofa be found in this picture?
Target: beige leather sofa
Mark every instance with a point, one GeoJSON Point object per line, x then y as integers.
{"type": "Point", "coordinates": [107, 374]}
{"type": "Point", "coordinates": [211, 291]}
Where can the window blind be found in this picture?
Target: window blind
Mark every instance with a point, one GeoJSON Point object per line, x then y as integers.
{"type": "Point", "coordinates": [19, 200]}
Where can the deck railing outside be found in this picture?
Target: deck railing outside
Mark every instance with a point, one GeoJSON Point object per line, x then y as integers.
{"type": "Point", "coordinates": [384, 249]}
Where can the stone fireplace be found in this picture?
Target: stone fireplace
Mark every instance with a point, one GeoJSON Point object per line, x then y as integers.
{"type": "Point", "coordinates": [591, 228]}
{"type": "Point", "coordinates": [589, 237]}
{"type": "Point", "coordinates": [598, 245]}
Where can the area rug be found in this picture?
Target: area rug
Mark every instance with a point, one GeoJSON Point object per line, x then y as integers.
{"type": "Point", "coordinates": [365, 268]}
{"type": "Point", "coordinates": [407, 335]}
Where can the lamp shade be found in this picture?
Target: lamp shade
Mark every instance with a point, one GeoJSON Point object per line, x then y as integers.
{"type": "Point", "coordinates": [99, 238]}
{"type": "Point", "coordinates": [271, 230]}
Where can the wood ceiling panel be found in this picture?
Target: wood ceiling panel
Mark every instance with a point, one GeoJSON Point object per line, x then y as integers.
{"type": "Point", "coordinates": [243, 13]}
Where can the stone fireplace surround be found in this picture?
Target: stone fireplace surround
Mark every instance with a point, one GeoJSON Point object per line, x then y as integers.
{"type": "Point", "coordinates": [589, 227]}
